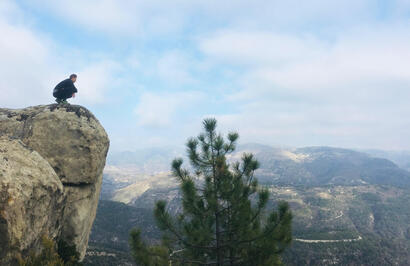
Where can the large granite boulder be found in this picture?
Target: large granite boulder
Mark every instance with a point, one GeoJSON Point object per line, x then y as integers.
{"type": "Point", "coordinates": [73, 142]}
{"type": "Point", "coordinates": [31, 200]}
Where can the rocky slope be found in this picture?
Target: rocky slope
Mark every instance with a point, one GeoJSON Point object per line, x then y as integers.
{"type": "Point", "coordinates": [51, 163]}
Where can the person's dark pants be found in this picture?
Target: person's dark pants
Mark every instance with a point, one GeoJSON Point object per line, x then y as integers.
{"type": "Point", "coordinates": [63, 94]}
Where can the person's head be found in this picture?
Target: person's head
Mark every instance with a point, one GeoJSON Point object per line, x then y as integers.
{"type": "Point", "coordinates": [73, 77]}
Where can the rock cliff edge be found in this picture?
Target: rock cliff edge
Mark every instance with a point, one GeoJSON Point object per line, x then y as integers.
{"type": "Point", "coordinates": [51, 163]}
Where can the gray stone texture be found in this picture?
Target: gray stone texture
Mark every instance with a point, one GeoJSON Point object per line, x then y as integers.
{"type": "Point", "coordinates": [51, 163]}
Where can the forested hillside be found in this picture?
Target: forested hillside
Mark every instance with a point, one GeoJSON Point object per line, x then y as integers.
{"type": "Point", "coordinates": [349, 208]}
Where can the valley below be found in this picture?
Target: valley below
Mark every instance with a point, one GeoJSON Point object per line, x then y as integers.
{"type": "Point", "coordinates": [349, 208]}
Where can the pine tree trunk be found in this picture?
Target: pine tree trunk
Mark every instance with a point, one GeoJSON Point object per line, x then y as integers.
{"type": "Point", "coordinates": [217, 229]}
{"type": "Point", "coordinates": [219, 257]}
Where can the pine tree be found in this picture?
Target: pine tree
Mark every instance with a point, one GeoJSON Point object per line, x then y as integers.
{"type": "Point", "coordinates": [147, 256]}
{"type": "Point", "coordinates": [224, 219]}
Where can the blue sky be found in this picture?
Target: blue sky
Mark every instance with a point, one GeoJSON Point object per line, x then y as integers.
{"type": "Point", "coordinates": [289, 73]}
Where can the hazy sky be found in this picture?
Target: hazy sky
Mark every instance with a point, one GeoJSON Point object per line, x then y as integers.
{"type": "Point", "coordinates": [294, 73]}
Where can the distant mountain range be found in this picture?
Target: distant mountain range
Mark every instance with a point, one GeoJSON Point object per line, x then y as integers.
{"type": "Point", "coordinates": [401, 158]}
{"type": "Point", "coordinates": [146, 161]}
{"type": "Point", "coordinates": [319, 166]}
{"type": "Point", "coordinates": [309, 166]}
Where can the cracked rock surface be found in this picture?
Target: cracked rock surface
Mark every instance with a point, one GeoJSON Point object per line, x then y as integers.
{"type": "Point", "coordinates": [73, 144]}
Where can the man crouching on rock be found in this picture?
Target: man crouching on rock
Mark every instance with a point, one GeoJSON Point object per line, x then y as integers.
{"type": "Point", "coordinates": [65, 89]}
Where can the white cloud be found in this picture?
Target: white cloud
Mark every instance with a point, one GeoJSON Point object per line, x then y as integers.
{"type": "Point", "coordinates": [94, 81]}
{"type": "Point", "coordinates": [368, 59]}
{"type": "Point", "coordinates": [9, 10]}
{"type": "Point", "coordinates": [260, 48]}
{"type": "Point", "coordinates": [124, 17]}
{"type": "Point", "coordinates": [304, 90]}
{"type": "Point", "coordinates": [26, 66]}
{"type": "Point", "coordinates": [343, 126]}
{"type": "Point", "coordinates": [402, 7]}
{"type": "Point", "coordinates": [99, 15]}
{"type": "Point", "coordinates": [173, 68]}
{"type": "Point", "coordinates": [156, 110]}
{"type": "Point", "coordinates": [157, 17]}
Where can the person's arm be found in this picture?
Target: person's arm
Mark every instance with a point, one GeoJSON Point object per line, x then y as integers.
{"type": "Point", "coordinates": [74, 89]}
{"type": "Point", "coordinates": [71, 86]}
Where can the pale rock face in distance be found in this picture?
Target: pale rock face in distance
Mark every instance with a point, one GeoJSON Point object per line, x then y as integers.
{"type": "Point", "coordinates": [74, 145]}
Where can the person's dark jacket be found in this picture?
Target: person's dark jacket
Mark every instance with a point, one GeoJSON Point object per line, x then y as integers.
{"type": "Point", "coordinates": [65, 87]}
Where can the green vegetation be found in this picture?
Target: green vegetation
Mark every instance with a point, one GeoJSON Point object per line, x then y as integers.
{"type": "Point", "coordinates": [66, 255]}
{"type": "Point", "coordinates": [148, 256]}
{"type": "Point", "coordinates": [48, 256]}
{"type": "Point", "coordinates": [219, 224]}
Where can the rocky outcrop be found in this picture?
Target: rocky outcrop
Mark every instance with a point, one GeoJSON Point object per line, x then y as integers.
{"type": "Point", "coordinates": [31, 199]}
{"type": "Point", "coordinates": [51, 159]}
